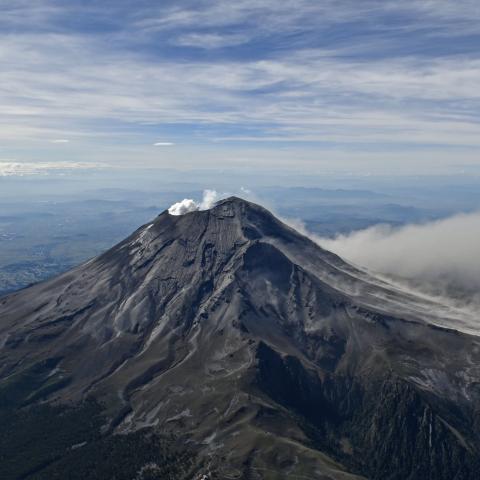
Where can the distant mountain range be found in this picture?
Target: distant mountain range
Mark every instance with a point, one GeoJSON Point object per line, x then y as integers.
{"type": "Point", "coordinates": [223, 344]}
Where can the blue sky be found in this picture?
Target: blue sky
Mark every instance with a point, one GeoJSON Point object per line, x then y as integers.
{"type": "Point", "coordinates": [363, 86]}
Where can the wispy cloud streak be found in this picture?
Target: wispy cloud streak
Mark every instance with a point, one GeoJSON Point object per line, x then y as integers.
{"type": "Point", "coordinates": [384, 73]}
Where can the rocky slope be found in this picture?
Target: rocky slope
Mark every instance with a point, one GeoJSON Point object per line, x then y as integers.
{"type": "Point", "coordinates": [250, 348]}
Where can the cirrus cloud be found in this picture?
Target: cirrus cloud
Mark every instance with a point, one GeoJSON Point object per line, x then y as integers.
{"type": "Point", "coordinates": [396, 77]}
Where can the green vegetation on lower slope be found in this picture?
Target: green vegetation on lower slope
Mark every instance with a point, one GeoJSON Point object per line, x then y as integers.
{"type": "Point", "coordinates": [45, 442]}
{"type": "Point", "coordinates": [42, 441]}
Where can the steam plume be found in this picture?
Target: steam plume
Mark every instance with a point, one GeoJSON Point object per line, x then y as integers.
{"type": "Point", "coordinates": [189, 205]}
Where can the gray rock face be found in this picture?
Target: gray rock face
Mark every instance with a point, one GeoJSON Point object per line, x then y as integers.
{"type": "Point", "coordinates": [272, 357]}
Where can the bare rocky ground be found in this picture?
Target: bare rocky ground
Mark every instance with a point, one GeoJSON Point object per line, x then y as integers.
{"type": "Point", "coordinates": [253, 351]}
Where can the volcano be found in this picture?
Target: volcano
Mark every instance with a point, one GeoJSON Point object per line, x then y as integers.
{"type": "Point", "coordinates": [224, 344]}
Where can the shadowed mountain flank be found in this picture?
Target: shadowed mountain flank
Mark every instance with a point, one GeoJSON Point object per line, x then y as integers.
{"type": "Point", "coordinates": [229, 339]}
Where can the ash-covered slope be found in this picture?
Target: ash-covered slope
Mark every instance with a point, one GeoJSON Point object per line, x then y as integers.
{"type": "Point", "coordinates": [243, 341]}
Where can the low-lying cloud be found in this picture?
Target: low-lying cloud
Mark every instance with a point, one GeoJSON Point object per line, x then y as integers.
{"type": "Point", "coordinates": [210, 197]}
{"type": "Point", "coordinates": [13, 168]}
{"type": "Point", "coordinates": [440, 257]}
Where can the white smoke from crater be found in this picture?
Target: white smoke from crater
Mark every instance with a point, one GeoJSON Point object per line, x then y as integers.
{"type": "Point", "coordinates": [210, 197]}
{"type": "Point", "coordinates": [183, 207]}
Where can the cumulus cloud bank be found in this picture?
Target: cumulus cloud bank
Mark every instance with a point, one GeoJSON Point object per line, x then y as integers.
{"type": "Point", "coordinates": [189, 205]}
{"type": "Point", "coordinates": [441, 257]}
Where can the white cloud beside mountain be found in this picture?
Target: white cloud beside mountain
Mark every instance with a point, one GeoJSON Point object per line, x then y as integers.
{"type": "Point", "coordinates": [440, 257]}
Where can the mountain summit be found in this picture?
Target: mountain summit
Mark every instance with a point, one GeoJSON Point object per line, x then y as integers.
{"type": "Point", "coordinates": [229, 335]}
